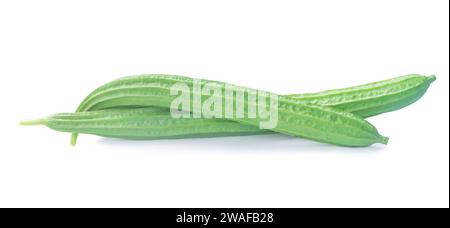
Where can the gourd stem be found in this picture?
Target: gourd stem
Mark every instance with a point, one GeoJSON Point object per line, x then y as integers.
{"type": "Point", "coordinates": [42, 121]}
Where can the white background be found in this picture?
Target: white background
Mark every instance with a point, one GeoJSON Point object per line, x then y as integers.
{"type": "Point", "coordinates": [53, 53]}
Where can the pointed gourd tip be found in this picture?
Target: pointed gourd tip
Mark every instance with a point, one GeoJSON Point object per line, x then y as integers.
{"type": "Point", "coordinates": [432, 78]}
{"type": "Point", "coordinates": [384, 140]}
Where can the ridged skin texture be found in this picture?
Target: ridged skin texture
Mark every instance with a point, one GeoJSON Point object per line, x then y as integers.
{"type": "Point", "coordinates": [295, 118]}
{"type": "Point", "coordinates": [146, 123]}
{"type": "Point", "coordinates": [373, 98]}
{"type": "Point", "coordinates": [380, 95]}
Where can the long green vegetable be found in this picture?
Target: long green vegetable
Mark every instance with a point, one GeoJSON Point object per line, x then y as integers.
{"type": "Point", "coordinates": [369, 99]}
{"type": "Point", "coordinates": [154, 123]}
{"type": "Point", "coordinates": [143, 123]}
